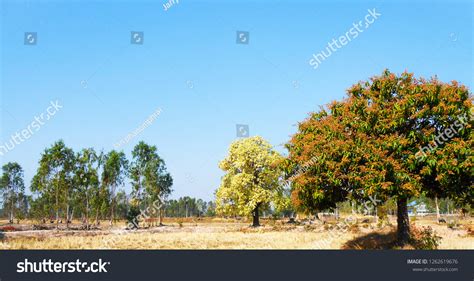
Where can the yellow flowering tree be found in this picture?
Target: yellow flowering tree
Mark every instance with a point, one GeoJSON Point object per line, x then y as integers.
{"type": "Point", "coordinates": [252, 179]}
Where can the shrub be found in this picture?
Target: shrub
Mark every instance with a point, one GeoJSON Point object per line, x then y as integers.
{"type": "Point", "coordinates": [8, 228]}
{"type": "Point", "coordinates": [452, 224]}
{"type": "Point", "coordinates": [425, 238]}
{"type": "Point", "coordinates": [132, 217]}
{"type": "Point", "coordinates": [382, 214]}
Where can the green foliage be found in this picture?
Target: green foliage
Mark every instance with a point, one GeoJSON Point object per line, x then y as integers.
{"type": "Point", "coordinates": [86, 179]}
{"type": "Point", "coordinates": [189, 207]}
{"type": "Point", "coordinates": [369, 144]}
{"type": "Point", "coordinates": [150, 180]}
{"type": "Point", "coordinates": [66, 183]}
{"type": "Point", "coordinates": [132, 214]}
{"type": "Point", "coordinates": [12, 188]}
{"type": "Point", "coordinates": [54, 177]}
{"type": "Point", "coordinates": [113, 175]}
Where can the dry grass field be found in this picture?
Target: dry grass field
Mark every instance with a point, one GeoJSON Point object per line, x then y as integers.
{"type": "Point", "coordinates": [232, 234]}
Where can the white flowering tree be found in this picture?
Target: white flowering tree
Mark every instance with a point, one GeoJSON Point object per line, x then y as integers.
{"type": "Point", "coordinates": [252, 179]}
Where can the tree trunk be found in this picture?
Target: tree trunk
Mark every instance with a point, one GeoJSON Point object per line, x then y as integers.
{"type": "Point", "coordinates": [87, 212]}
{"type": "Point", "coordinates": [112, 205]}
{"type": "Point", "coordinates": [403, 223]}
{"type": "Point", "coordinates": [11, 216]}
{"type": "Point", "coordinates": [438, 216]}
{"type": "Point", "coordinates": [67, 215]}
{"type": "Point", "coordinates": [161, 217]}
{"type": "Point", "coordinates": [256, 221]}
{"type": "Point", "coordinates": [112, 213]}
{"type": "Point", "coordinates": [57, 208]}
{"type": "Point", "coordinates": [97, 216]}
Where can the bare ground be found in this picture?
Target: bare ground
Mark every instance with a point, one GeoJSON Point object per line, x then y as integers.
{"type": "Point", "coordinates": [228, 234]}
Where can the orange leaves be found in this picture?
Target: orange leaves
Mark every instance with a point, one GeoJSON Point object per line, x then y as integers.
{"type": "Point", "coordinates": [369, 140]}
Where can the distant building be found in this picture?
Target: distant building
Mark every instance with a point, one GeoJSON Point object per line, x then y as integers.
{"type": "Point", "coordinates": [419, 209]}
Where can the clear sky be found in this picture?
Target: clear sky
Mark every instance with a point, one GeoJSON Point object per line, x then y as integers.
{"type": "Point", "coordinates": [191, 67]}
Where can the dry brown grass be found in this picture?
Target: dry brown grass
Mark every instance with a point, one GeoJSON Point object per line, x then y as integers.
{"type": "Point", "coordinates": [226, 234]}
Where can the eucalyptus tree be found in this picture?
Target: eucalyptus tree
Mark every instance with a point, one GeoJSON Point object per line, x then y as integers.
{"type": "Point", "coordinates": [157, 183]}
{"type": "Point", "coordinates": [113, 175]}
{"type": "Point", "coordinates": [12, 187]}
{"type": "Point", "coordinates": [142, 155]}
{"type": "Point", "coordinates": [150, 180]}
{"type": "Point", "coordinates": [86, 178]}
{"type": "Point", "coordinates": [100, 205]}
{"type": "Point", "coordinates": [55, 175]}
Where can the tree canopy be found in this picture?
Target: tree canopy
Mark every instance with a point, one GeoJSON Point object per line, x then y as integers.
{"type": "Point", "coordinates": [12, 187]}
{"type": "Point", "coordinates": [374, 143]}
{"type": "Point", "coordinates": [252, 179]}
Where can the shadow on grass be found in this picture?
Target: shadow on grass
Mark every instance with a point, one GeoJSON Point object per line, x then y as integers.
{"type": "Point", "coordinates": [373, 241]}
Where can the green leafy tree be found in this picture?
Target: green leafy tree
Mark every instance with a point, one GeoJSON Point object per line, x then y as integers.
{"type": "Point", "coordinates": [373, 144]}
{"type": "Point", "coordinates": [54, 177]}
{"type": "Point", "coordinates": [143, 154]}
{"type": "Point", "coordinates": [157, 183]}
{"type": "Point", "coordinates": [252, 179]}
{"type": "Point", "coordinates": [12, 187]}
{"type": "Point", "coordinates": [150, 180]}
{"type": "Point", "coordinates": [86, 178]}
{"type": "Point", "coordinates": [122, 204]}
{"type": "Point", "coordinates": [41, 207]}
{"type": "Point", "coordinates": [211, 209]}
{"type": "Point", "coordinates": [113, 175]}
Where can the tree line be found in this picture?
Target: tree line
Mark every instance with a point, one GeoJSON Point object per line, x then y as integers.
{"type": "Point", "coordinates": [189, 207]}
{"type": "Point", "coordinates": [68, 184]}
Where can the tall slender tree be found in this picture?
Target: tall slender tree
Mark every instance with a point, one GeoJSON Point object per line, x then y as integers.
{"type": "Point", "coordinates": [157, 184]}
{"type": "Point", "coordinates": [54, 176]}
{"type": "Point", "coordinates": [12, 187]}
{"type": "Point", "coordinates": [142, 154]}
{"type": "Point", "coordinates": [86, 178]}
{"type": "Point", "coordinates": [150, 180]}
{"type": "Point", "coordinates": [114, 172]}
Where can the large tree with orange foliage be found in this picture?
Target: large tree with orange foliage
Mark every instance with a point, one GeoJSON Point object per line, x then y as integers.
{"type": "Point", "coordinates": [376, 142]}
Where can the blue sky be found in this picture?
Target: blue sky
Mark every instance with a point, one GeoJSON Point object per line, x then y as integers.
{"type": "Point", "coordinates": [192, 69]}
